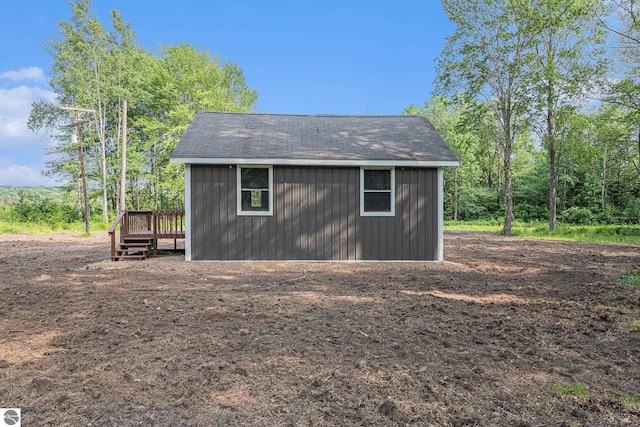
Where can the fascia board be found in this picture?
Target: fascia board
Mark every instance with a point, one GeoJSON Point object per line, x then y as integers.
{"type": "Point", "coordinates": [313, 162]}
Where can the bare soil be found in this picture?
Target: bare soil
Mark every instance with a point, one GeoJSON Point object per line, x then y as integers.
{"type": "Point", "coordinates": [484, 339]}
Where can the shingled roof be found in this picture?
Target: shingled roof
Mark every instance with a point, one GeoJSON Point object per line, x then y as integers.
{"type": "Point", "coordinates": [218, 138]}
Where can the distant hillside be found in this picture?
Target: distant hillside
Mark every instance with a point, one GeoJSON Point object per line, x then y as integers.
{"type": "Point", "coordinates": [9, 195]}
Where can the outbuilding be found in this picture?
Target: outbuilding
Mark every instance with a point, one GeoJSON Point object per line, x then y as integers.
{"type": "Point", "coordinates": [270, 187]}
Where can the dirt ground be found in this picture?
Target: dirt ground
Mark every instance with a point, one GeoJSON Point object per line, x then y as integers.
{"type": "Point", "coordinates": [501, 334]}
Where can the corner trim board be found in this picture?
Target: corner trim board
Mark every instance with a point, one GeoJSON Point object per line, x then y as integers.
{"type": "Point", "coordinates": [187, 212]}
{"type": "Point", "coordinates": [440, 254]}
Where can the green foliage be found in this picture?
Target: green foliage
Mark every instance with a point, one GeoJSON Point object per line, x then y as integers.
{"type": "Point", "coordinates": [98, 67]}
{"type": "Point", "coordinates": [577, 215]}
{"type": "Point", "coordinates": [484, 60]}
{"type": "Point", "coordinates": [632, 212]}
{"type": "Point", "coordinates": [41, 210]}
{"type": "Point", "coordinates": [531, 190]}
{"type": "Point", "coordinates": [477, 203]}
{"type": "Point", "coordinates": [521, 68]}
{"type": "Point", "coordinates": [607, 216]}
{"type": "Point", "coordinates": [31, 208]}
{"type": "Point", "coordinates": [10, 195]}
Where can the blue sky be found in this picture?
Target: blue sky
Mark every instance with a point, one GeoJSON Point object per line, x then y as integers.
{"type": "Point", "coordinates": [328, 57]}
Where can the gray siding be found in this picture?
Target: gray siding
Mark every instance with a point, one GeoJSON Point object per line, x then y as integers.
{"type": "Point", "coordinates": [316, 216]}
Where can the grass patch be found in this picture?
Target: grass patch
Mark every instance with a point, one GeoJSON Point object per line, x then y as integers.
{"type": "Point", "coordinates": [567, 389]}
{"type": "Point", "coordinates": [626, 327]}
{"type": "Point", "coordinates": [479, 225]}
{"type": "Point", "coordinates": [16, 227]}
{"type": "Point", "coordinates": [631, 278]}
{"type": "Point", "coordinates": [631, 401]}
{"type": "Point", "coordinates": [580, 233]}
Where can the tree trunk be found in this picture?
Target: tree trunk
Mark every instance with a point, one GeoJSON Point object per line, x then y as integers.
{"type": "Point", "coordinates": [603, 190]}
{"type": "Point", "coordinates": [455, 194]}
{"type": "Point", "coordinates": [638, 165]}
{"type": "Point", "coordinates": [79, 198]}
{"type": "Point", "coordinates": [83, 175]}
{"type": "Point", "coordinates": [123, 155]}
{"type": "Point", "coordinates": [553, 180]}
{"type": "Point", "coordinates": [507, 149]}
{"type": "Point", "coordinates": [508, 191]}
{"type": "Point", "coordinates": [564, 188]}
{"type": "Point", "coordinates": [103, 143]}
{"type": "Point", "coordinates": [553, 187]}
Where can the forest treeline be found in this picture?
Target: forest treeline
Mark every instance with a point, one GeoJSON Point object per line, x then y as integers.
{"type": "Point", "coordinates": [540, 100]}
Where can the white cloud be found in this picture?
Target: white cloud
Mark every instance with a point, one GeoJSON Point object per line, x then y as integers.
{"type": "Point", "coordinates": [24, 175]}
{"type": "Point", "coordinates": [15, 107]}
{"type": "Point", "coordinates": [33, 74]}
{"type": "Point", "coordinates": [23, 150]}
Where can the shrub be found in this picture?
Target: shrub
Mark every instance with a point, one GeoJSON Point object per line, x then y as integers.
{"type": "Point", "coordinates": [608, 216]}
{"type": "Point", "coordinates": [526, 212]}
{"type": "Point", "coordinates": [477, 203]}
{"type": "Point", "coordinates": [577, 215]}
{"type": "Point", "coordinates": [632, 213]}
{"type": "Point", "coordinates": [32, 209]}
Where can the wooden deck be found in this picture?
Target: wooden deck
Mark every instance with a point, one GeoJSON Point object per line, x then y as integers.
{"type": "Point", "coordinates": [139, 232]}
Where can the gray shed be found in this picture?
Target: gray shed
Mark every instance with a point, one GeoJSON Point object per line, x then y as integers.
{"type": "Point", "coordinates": [321, 187]}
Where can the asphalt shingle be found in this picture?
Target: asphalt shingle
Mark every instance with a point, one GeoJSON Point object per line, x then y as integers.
{"type": "Point", "coordinates": [214, 135]}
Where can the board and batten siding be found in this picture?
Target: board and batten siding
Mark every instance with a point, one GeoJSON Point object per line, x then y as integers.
{"type": "Point", "coordinates": [316, 216]}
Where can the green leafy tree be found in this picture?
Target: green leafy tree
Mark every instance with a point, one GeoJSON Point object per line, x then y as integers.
{"type": "Point", "coordinates": [181, 82]}
{"type": "Point", "coordinates": [97, 68]}
{"type": "Point", "coordinates": [563, 67]}
{"type": "Point", "coordinates": [624, 90]}
{"type": "Point", "coordinates": [87, 72]}
{"type": "Point", "coordinates": [447, 119]}
{"type": "Point", "coordinates": [484, 58]}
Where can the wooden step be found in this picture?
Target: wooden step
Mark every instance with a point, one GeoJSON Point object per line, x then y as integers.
{"type": "Point", "coordinates": [138, 257]}
{"type": "Point", "coordinates": [137, 242]}
{"type": "Point", "coordinates": [135, 245]}
{"type": "Point", "coordinates": [132, 250]}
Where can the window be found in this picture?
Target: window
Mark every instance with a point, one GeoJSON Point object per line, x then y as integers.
{"type": "Point", "coordinates": [377, 192]}
{"type": "Point", "coordinates": [255, 190]}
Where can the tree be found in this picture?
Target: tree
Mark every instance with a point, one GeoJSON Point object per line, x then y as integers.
{"type": "Point", "coordinates": [87, 72]}
{"type": "Point", "coordinates": [181, 82]}
{"type": "Point", "coordinates": [484, 57]}
{"type": "Point", "coordinates": [625, 91]}
{"type": "Point", "coordinates": [98, 68]}
{"type": "Point", "coordinates": [562, 68]}
{"type": "Point", "coordinates": [77, 67]}
{"type": "Point", "coordinates": [464, 186]}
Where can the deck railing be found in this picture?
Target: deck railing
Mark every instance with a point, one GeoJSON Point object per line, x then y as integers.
{"type": "Point", "coordinates": [169, 224]}
{"type": "Point", "coordinates": [158, 224]}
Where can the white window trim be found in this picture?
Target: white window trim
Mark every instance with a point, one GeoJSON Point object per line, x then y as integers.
{"type": "Point", "coordinates": [393, 192]}
{"type": "Point", "coordinates": [239, 191]}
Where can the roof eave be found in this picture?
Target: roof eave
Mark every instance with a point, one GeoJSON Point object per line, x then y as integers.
{"type": "Point", "coordinates": [314, 162]}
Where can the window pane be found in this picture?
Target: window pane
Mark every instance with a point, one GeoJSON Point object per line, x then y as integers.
{"type": "Point", "coordinates": [377, 179]}
{"type": "Point", "coordinates": [254, 177]}
{"type": "Point", "coordinates": [255, 200]}
{"type": "Point", "coordinates": [377, 202]}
